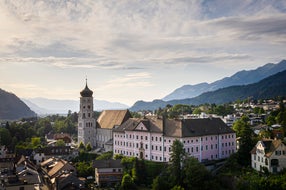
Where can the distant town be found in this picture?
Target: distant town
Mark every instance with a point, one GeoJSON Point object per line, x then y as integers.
{"type": "Point", "coordinates": [176, 147]}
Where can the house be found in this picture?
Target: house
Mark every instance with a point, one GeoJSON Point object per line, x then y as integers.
{"type": "Point", "coordinates": [60, 174]}
{"type": "Point", "coordinates": [65, 152]}
{"type": "Point", "coordinates": [23, 163]}
{"type": "Point", "coordinates": [106, 122]}
{"type": "Point", "coordinates": [63, 136]}
{"type": "Point", "coordinates": [152, 138]}
{"type": "Point", "coordinates": [25, 176]}
{"type": "Point", "coordinates": [13, 182]}
{"type": "Point", "coordinates": [108, 172]}
{"type": "Point", "coordinates": [67, 181]}
{"type": "Point", "coordinates": [269, 154]}
{"type": "Point", "coordinates": [53, 138]}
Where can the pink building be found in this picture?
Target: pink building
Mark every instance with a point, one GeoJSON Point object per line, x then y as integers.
{"type": "Point", "coordinates": [151, 138]}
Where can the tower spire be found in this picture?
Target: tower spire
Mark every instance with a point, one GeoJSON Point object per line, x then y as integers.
{"type": "Point", "coordinates": [86, 92]}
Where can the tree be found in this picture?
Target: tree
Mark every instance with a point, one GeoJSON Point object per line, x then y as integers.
{"type": "Point", "coordinates": [35, 142]}
{"type": "Point", "coordinates": [196, 176]}
{"type": "Point", "coordinates": [118, 156]}
{"type": "Point", "coordinates": [127, 163]}
{"type": "Point", "coordinates": [5, 137]}
{"type": "Point", "coordinates": [177, 187]}
{"type": "Point", "coordinates": [281, 118]}
{"type": "Point", "coordinates": [197, 111]}
{"type": "Point", "coordinates": [60, 142]}
{"type": "Point", "coordinates": [134, 172]}
{"type": "Point", "coordinates": [264, 134]}
{"type": "Point", "coordinates": [270, 120]}
{"type": "Point", "coordinates": [163, 181]}
{"type": "Point", "coordinates": [245, 143]}
{"type": "Point", "coordinates": [84, 169]}
{"type": "Point", "coordinates": [177, 157]}
{"type": "Point", "coordinates": [127, 183]}
{"type": "Point", "coordinates": [239, 125]}
{"type": "Point", "coordinates": [88, 147]}
{"type": "Point", "coordinates": [105, 156]}
{"type": "Point", "coordinates": [81, 146]}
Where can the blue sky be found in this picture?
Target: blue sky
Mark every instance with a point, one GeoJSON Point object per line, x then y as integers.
{"type": "Point", "coordinates": [133, 50]}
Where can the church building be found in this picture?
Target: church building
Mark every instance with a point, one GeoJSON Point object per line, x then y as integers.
{"type": "Point", "coordinates": [98, 133]}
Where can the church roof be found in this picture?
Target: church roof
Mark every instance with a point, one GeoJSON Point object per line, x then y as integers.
{"type": "Point", "coordinates": [110, 118]}
{"type": "Point", "coordinates": [86, 92]}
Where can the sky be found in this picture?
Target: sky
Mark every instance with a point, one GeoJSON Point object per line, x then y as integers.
{"type": "Point", "coordinates": [133, 50]}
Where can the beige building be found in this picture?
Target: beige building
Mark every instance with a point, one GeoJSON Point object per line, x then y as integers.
{"type": "Point", "coordinates": [108, 172]}
{"type": "Point", "coordinates": [269, 154]}
{"type": "Point", "coordinates": [106, 122]}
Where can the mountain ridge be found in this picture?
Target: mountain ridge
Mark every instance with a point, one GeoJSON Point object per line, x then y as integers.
{"type": "Point", "coordinates": [242, 77]}
{"type": "Point", "coordinates": [270, 87]}
{"type": "Point", "coordinates": [12, 107]}
{"type": "Point", "coordinates": [55, 106]}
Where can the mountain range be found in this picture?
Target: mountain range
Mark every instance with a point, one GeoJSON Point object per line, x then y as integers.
{"type": "Point", "coordinates": [264, 82]}
{"type": "Point", "coordinates": [240, 78]}
{"type": "Point", "coordinates": [12, 108]}
{"type": "Point", "coordinates": [269, 87]}
{"type": "Point", "coordinates": [44, 106]}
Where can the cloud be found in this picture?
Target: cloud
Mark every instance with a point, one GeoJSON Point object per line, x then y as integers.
{"type": "Point", "coordinates": [137, 80]}
{"type": "Point", "coordinates": [255, 28]}
{"type": "Point", "coordinates": [149, 38]}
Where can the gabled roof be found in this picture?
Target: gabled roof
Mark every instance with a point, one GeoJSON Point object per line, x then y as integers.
{"type": "Point", "coordinates": [110, 118]}
{"type": "Point", "coordinates": [273, 146]}
{"type": "Point", "coordinates": [152, 125]}
{"type": "Point", "coordinates": [107, 164]}
{"type": "Point", "coordinates": [66, 179]}
{"type": "Point", "coordinates": [25, 161]}
{"type": "Point", "coordinates": [178, 127]}
{"type": "Point", "coordinates": [47, 162]}
{"type": "Point", "coordinates": [59, 165]}
{"type": "Point", "coordinates": [269, 145]}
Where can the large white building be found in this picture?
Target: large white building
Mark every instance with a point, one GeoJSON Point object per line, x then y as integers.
{"type": "Point", "coordinates": [152, 138]}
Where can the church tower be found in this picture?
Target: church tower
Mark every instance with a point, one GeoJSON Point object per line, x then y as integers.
{"type": "Point", "coordinates": [86, 120]}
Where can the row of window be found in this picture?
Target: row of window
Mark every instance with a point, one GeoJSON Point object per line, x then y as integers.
{"type": "Point", "coordinates": [131, 145]}
{"type": "Point", "coordinates": [260, 159]}
{"type": "Point", "coordinates": [159, 158]}
{"type": "Point", "coordinates": [279, 152]}
{"type": "Point", "coordinates": [159, 139]}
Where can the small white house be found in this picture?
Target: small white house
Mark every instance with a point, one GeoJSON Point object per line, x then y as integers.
{"type": "Point", "coordinates": [269, 154]}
